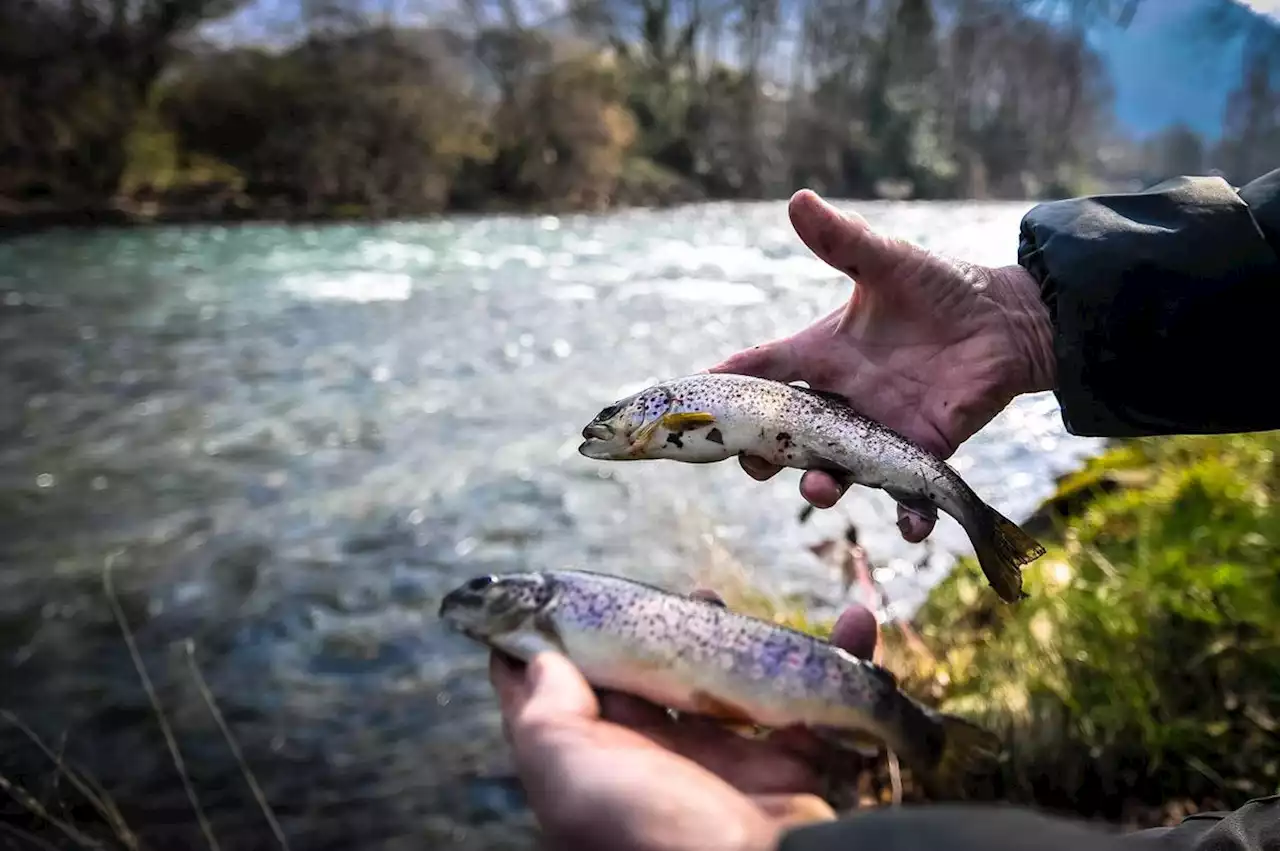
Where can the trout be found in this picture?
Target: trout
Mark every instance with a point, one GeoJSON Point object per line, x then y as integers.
{"type": "Point", "coordinates": [710, 417]}
{"type": "Point", "coordinates": [696, 656]}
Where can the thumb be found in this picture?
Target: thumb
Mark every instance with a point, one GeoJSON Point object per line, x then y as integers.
{"type": "Point", "coordinates": [844, 240]}
{"type": "Point", "coordinates": [557, 690]}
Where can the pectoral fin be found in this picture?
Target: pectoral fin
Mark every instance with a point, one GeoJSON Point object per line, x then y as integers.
{"type": "Point", "coordinates": [674, 423]}
{"type": "Point", "coordinates": [644, 434]}
{"type": "Point", "coordinates": [686, 421]}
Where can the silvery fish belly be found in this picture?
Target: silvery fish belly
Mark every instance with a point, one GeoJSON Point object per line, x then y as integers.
{"type": "Point", "coordinates": [709, 417]}
{"type": "Point", "coordinates": [699, 657]}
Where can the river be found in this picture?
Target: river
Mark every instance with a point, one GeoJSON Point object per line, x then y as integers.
{"type": "Point", "coordinates": [288, 442]}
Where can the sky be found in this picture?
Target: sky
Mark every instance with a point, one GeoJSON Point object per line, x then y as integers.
{"type": "Point", "coordinates": [1165, 70]}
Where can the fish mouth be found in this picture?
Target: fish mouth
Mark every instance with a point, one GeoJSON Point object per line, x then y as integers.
{"type": "Point", "coordinates": [457, 600]}
{"type": "Point", "coordinates": [593, 448]}
{"type": "Point", "coordinates": [599, 441]}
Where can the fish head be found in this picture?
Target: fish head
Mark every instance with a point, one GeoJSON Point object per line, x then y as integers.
{"type": "Point", "coordinates": [619, 431]}
{"type": "Point", "coordinates": [487, 607]}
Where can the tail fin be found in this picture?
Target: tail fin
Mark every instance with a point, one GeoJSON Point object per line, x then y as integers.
{"type": "Point", "coordinates": [1002, 548]}
{"type": "Point", "coordinates": [966, 746]}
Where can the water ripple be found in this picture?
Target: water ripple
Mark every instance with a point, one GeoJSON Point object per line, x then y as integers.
{"type": "Point", "coordinates": [296, 439]}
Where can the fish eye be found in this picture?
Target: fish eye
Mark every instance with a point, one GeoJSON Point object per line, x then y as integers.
{"type": "Point", "coordinates": [606, 413]}
{"type": "Point", "coordinates": [480, 583]}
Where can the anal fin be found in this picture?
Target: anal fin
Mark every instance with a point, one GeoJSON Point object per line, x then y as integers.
{"type": "Point", "coordinates": [843, 477]}
{"type": "Point", "coordinates": [857, 741]}
{"type": "Point", "coordinates": [915, 504]}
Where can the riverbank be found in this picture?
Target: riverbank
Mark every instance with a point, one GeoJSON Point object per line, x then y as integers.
{"type": "Point", "coordinates": [641, 185]}
{"type": "Point", "coordinates": [1140, 681]}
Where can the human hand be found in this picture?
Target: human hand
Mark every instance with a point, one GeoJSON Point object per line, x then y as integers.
{"type": "Point", "coordinates": [930, 347]}
{"type": "Point", "coordinates": [613, 771]}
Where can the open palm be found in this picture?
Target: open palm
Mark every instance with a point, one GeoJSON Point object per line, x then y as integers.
{"type": "Point", "coordinates": [931, 347]}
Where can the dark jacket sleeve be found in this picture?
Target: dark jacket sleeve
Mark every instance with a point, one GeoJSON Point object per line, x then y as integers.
{"type": "Point", "coordinates": [1165, 306]}
{"type": "Point", "coordinates": [1253, 827]}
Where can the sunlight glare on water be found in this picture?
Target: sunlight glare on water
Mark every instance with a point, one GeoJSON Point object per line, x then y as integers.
{"type": "Point", "coordinates": [298, 439]}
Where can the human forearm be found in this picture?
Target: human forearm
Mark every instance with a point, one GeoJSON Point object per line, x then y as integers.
{"type": "Point", "coordinates": [1163, 306]}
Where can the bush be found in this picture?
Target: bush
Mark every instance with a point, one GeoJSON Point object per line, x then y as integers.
{"type": "Point", "coordinates": [1145, 666]}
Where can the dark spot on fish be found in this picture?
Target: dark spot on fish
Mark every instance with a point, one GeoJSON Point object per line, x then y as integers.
{"type": "Point", "coordinates": [784, 436]}
{"type": "Point", "coordinates": [831, 443]}
{"type": "Point", "coordinates": [715, 436]}
{"type": "Point", "coordinates": [674, 439]}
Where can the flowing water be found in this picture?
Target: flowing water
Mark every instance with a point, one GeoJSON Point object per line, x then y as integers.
{"type": "Point", "coordinates": [288, 442]}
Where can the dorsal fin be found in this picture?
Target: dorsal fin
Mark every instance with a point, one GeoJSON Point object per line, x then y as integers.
{"type": "Point", "coordinates": [884, 673]}
{"type": "Point", "coordinates": [829, 395]}
{"type": "Point", "coordinates": [871, 668]}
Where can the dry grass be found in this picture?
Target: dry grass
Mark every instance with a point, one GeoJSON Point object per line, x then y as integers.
{"type": "Point", "coordinates": [123, 837]}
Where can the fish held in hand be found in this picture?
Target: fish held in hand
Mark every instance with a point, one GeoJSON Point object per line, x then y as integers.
{"type": "Point", "coordinates": [710, 417]}
{"type": "Point", "coordinates": [697, 656]}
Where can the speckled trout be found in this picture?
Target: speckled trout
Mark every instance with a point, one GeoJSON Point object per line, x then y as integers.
{"type": "Point", "coordinates": [697, 656]}
{"type": "Point", "coordinates": [710, 417]}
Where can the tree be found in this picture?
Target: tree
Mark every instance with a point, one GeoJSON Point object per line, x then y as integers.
{"type": "Point", "coordinates": [1178, 150]}
{"type": "Point", "coordinates": [73, 78]}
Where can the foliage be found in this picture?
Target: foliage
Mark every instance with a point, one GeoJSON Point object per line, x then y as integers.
{"type": "Point", "coordinates": [1145, 664]}
{"type": "Point", "coordinates": [617, 101]}
{"type": "Point", "coordinates": [613, 102]}
{"type": "Point", "coordinates": [372, 122]}
{"type": "Point", "coordinates": [73, 77]}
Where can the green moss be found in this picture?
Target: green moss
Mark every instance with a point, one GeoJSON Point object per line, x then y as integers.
{"type": "Point", "coordinates": [1147, 658]}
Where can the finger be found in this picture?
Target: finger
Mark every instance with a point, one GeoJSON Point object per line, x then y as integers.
{"type": "Point", "coordinates": [820, 489]}
{"type": "Point", "coordinates": [508, 678]}
{"type": "Point", "coordinates": [758, 468]}
{"type": "Point", "coordinates": [751, 765]}
{"type": "Point", "coordinates": [857, 631]}
{"type": "Point", "coordinates": [844, 240]}
{"type": "Point", "coordinates": [913, 525]}
{"type": "Point", "coordinates": [556, 690]}
{"type": "Point", "coordinates": [775, 359]}
{"type": "Point", "coordinates": [794, 810]}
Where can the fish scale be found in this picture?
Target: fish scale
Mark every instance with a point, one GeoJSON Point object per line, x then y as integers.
{"type": "Point", "coordinates": [695, 656]}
